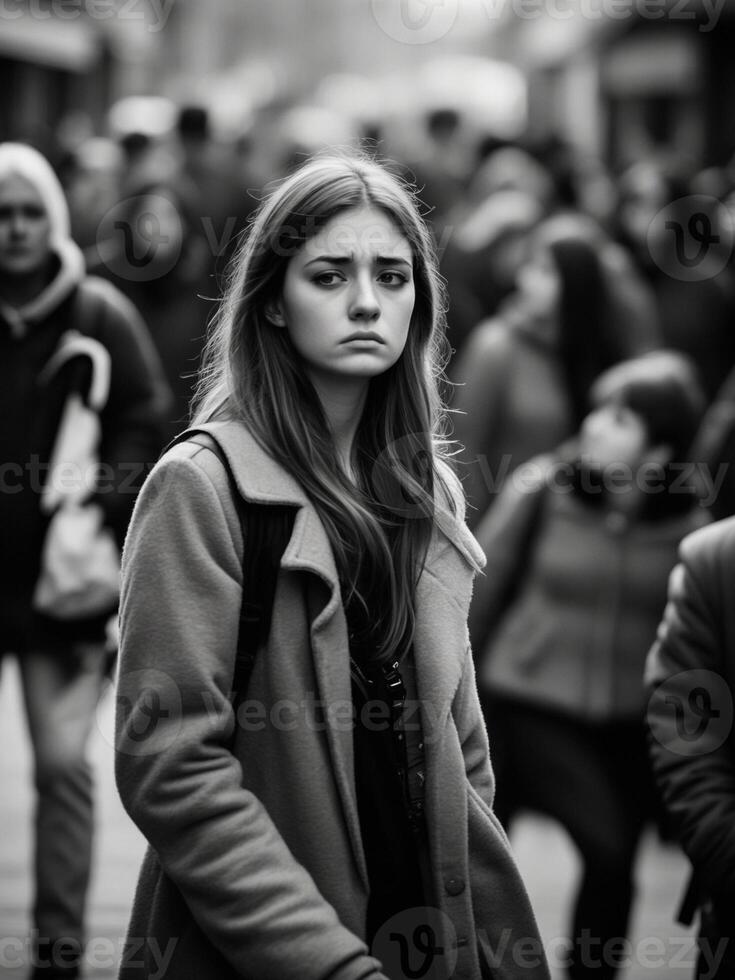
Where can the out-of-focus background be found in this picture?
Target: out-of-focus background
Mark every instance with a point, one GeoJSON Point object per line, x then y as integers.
{"type": "Point", "coordinates": [167, 119]}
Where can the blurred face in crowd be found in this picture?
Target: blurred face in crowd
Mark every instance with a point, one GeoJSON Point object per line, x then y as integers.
{"type": "Point", "coordinates": [24, 228]}
{"type": "Point", "coordinates": [348, 296]}
{"type": "Point", "coordinates": [539, 283]}
{"type": "Point", "coordinates": [614, 435]}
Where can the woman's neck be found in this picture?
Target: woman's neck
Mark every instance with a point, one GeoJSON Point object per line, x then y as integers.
{"type": "Point", "coordinates": [18, 291]}
{"type": "Point", "coordinates": [343, 402]}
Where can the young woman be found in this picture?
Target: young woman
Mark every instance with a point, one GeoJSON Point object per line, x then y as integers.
{"type": "Point", "coordinates": [524, 375]}
{"type": "Point", "coordinates": [348, 810]}
{"type": "Point", "coordinates": [580, 545]}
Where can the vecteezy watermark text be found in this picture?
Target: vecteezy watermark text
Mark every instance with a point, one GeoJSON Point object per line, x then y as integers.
{"type": "Point", "coordinates": [99, 953]}
{"type": "Point", "coordinates": [153, 13]}
{"type": "Point", "coordinates": [427, 21]}
{"type": "Point", "coordinates": [594, 952]}
{"type": "Point", "coordinates": [706, 11]}
{"type": "Point", "coordinates": [697, 478]}
{"type": "Point", "coordinates": [150, 708]}
{"type": "Point", "coordinates": [72, 478]}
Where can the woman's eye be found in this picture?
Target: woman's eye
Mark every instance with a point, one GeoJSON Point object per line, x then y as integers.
{"type": "Point", "coordinates": [392, 278]}
{"type": "Point", "coordinates": [327, 278]}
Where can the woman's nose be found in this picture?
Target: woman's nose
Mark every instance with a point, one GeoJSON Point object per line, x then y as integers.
{"type": "Point", "coordinates": [364, 302]}
{"type": "Point", "coordinates": [18, 224]}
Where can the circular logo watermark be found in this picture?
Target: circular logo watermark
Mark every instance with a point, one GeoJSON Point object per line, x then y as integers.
{"type": "Point", "coordinates": [691, 713]}
{"type": "Point", "coordinates": [692, 238]}
{"type": "Point", "coordinates": [140, 239]}
{"type": "Point", "coordinates": [418, 944]}
{"type": "Point", "coordinates": [148, 706]}
{"type": "Point", "coordinates": [415, 21]}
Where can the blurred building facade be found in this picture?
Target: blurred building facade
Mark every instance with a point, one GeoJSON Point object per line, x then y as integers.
{"type": "Point", "coordinates": [64, 62]}
{"type": "Point", "coordinates": [649, 80]}
{"type": "Point", "coordinates": [618, 79]}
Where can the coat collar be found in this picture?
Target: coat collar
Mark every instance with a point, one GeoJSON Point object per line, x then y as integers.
{"type": "Point", "coordinates": [262, 480]}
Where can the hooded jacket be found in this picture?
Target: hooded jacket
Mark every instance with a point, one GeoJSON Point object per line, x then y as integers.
{"type": "Point", "coordinates": [32, 402]}
{"type": "Point", "coordinates": [256, 867]}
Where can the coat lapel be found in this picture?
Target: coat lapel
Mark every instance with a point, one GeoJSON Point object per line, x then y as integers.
{"type": "Point", "coordinates": [260, 479]}
{"type": "Point", "coordinates": [309, 551]}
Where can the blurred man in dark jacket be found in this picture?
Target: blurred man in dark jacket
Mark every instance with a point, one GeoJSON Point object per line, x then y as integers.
{"type": "Point", "coordinates": [64, 338]}
{"type": "Point", "coordinates": [691, 673]}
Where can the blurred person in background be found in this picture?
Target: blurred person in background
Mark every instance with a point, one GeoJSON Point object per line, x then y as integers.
{"type": "Point", "coordinates": [443, 170]}
{"type": "Point", "coordinates": [153, 246]}
{"type": "Point", "coordinates": [691, 679]}
{"type": "Point", "coordinates": [512, 191]}
{"type": "Point", "coordinates": [54, 323]}
{"type": "Point", "coordinates": [209, 166]}
{"type": "Point", "coordinates": [482, 259]}
{"type": "Point", "coordinates": [714, 450]}
{"type": "Point", "coordinates": [523, 377]}
{"type": "Point", "coordinates": [580, 545]}
{"type": "Point", "coordinates": [692, 282]}
{"type": "Point", "coordinates": [508, 194]}
{"type": "Point", "coordinates": [511, 168]}
{"type": "Point", "coordinates": [92, 186]}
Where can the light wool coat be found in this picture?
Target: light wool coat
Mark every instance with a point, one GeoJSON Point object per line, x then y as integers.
{"type": "Point", "coordinates": [262, 837]}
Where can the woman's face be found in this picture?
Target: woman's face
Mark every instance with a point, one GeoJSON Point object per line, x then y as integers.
{"type": "Point", "coordinates": [24, 228]}
{"type": "Point", "coordinates": [539, 283]}
{"type": "Point", "coordinates": [613, 435]}
{"type": "Point", "coordinates": [348, 296]}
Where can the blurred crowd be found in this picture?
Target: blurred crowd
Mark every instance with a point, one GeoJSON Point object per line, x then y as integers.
{"type": "Point", "coordinates": [524, 230]}
{"type": "Point", "coordinates": [590, 321]}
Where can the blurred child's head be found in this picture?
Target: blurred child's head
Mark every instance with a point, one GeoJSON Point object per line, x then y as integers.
{"type": "Point", "coordinates": [644, 410]}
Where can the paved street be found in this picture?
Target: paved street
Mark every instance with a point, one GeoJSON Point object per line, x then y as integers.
{"type": "Point", "coordinates": [659, 948]}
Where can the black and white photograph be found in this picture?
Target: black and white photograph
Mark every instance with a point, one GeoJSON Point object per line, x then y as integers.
{"type": "Point", "coordinates": [367, 501]}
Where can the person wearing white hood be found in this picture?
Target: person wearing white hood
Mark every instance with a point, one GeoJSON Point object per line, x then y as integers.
{"type": "Point", "coordinates": [69, 343]}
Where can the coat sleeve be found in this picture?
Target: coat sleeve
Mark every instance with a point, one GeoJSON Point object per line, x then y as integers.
{"type": "Point", "coordinates": [473, 735]}
{"type": "Point", "coordinates": [690, 695]}
{"type": "Point", "coordinates": [178, 780]}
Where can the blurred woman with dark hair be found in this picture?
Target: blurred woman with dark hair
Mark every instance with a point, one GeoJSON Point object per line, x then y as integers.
{"type": "Point", "coordinates": [524, 376]}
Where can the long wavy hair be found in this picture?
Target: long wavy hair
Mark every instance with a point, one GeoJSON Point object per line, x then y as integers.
{"type": "Point", "coordinates": [588, 339]}
{"type": "Point", "coordinates": [380, 527]}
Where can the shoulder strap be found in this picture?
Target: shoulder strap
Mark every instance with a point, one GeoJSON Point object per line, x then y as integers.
{"type": "Point", "coordinates": [266, 530]}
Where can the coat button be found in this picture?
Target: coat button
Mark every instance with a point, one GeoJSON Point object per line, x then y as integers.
{"type": "Point", "coordinates": [454, 886]}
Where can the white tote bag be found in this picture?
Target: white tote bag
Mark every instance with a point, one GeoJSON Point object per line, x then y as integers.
{"type": "Point", "coordinates": [80, 562]}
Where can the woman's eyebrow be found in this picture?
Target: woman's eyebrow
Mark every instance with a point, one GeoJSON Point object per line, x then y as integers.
{"type": "Point", "coordinates": [346, 259]}
{"type": "Point", "coordinates": [392, 260]}
{"type": "Point", "coordinates": [331, 259]}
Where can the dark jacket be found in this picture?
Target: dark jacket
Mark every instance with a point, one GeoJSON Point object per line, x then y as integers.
{"type": "Point", "coordinates": [31, 408]}
{"type": "Point", "coordinates": [691, 676]}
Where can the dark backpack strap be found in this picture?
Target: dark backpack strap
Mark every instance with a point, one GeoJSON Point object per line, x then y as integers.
{"type": "Point", "coordinates": [266, 531]}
